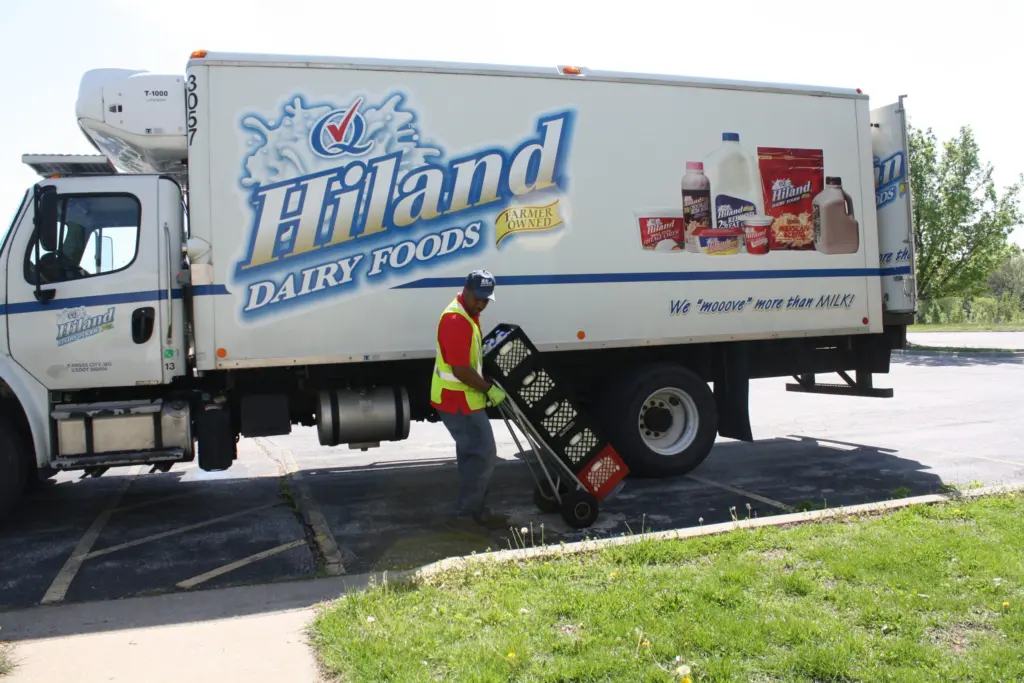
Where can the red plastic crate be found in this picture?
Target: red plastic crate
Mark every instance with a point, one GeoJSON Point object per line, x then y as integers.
{"type": "Point", "coordinates": [601, 475]}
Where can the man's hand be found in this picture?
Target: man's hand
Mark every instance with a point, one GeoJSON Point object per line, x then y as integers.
{"type": "Point", "coordinates": [496, 395]}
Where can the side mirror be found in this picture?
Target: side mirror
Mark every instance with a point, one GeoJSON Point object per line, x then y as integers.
{"type": "Point", "coordinates": [107, 255]}
{"type": "Point", "coordinates": [46, 217]}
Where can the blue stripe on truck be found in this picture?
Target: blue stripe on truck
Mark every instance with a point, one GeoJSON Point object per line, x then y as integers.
{"type": "Point", "coordinates": [503, 280]}
{"type": "Point", "coordinates": [673, 276]}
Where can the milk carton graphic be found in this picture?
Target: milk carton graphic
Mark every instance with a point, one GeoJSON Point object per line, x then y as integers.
{"type": "Point", "coordinates": [735, 183]}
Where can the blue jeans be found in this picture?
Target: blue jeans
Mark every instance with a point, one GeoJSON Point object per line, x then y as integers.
{"type": "Point", "coordinates": [476, 454]}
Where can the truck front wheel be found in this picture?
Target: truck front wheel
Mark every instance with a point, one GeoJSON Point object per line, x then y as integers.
{"type": "Point", "coordinates": [14, 458]}
{"type": "Point", "coordinates": [662, 419]}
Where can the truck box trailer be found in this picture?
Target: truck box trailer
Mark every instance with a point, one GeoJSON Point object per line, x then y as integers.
{"type": "Point", "coordinates": [269, 240]}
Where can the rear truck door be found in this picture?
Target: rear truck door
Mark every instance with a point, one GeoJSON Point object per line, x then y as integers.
{"type": "Point", "coordinates": [95, 319]}
{"type": "Point", "coordinates": [890, 148]}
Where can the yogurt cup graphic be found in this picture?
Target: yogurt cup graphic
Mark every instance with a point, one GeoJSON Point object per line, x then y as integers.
{"type": "Point", "coordinates": [756, 229]}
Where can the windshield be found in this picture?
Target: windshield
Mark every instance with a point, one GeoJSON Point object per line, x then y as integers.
{"type": "Point", "coordinates": [14, 221]}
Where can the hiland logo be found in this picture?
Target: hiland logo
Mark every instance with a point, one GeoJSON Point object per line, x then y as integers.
{"type": "Point", "coordinates": [75, 324]}
{"type": "Point", "coordinates": [890, 178]}
{"type": "Point", "coordinates": [344, 198]}
{"type": "Point", "coordinates": [784, 192]}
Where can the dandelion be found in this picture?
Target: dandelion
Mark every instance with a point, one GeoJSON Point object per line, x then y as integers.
{"type": "Point", "coordinates": [646, 643]}
{"type": "Point", "coordinates": [524, 531]}
{"type": "Point", "coordinates": [1006, 604]}
{"type": "Point", "coordinates": [683, 672]}
{"type": "Point", "coordinates": [523, 610]}
{"type": "Point", "coordinates": [370, 620]}
{"type": "Point", "coordinates": [511, 655]}
{"type": "Point", "coordinates": [613, 575]}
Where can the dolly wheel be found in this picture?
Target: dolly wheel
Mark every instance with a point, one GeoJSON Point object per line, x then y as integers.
{"type": "Point", "coordinates": [544, 499]}
{"type": "Point", "coordinates": [579, 508]}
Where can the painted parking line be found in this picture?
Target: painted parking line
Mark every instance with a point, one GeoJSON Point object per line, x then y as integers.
{"type": "Point", "coordinates": [999, 460]}
{"type": "Point", "coordinates": [178, 531]}
{"type": "Point", "coordinates": [748, 494]}
{"type": "Point", "coordinates": [59, 588]}
{"type": "Point", "coordinates": [334, 565]}
{"type": "Point", "coordinates": [238, 564]}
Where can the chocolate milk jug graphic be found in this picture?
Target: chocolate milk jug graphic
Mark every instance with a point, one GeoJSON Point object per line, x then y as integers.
{"type": "Point", "coordinates": [696, 189]}
{"type": "Point", "coordinates": [835, 227]}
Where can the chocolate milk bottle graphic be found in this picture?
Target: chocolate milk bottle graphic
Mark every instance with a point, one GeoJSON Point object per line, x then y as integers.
{"type": "Point", "coordinates": [835, 228]}
{"type": "Point", "coordinates": [696, 189]}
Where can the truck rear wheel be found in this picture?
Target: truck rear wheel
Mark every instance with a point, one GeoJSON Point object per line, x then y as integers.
{"type": "Point", "coordinates": [662, 419]}
{"type": "Point", "coordinates": [14, 470]}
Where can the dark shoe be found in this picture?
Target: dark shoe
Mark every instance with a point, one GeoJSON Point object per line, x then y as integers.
{"type": "Point", "coordinates": [466, 525]}
{"type": "Point", "coordinates": [494, 522]}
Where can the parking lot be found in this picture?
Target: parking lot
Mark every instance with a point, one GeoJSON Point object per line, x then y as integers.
{"type": "Point", "coordinates": [290, 509]}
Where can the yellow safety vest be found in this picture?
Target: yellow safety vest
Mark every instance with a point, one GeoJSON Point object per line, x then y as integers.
{"type": "Point", "coordinates": [443, 377]}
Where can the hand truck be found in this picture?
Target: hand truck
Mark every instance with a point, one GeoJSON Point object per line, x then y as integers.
{"type": "Point", "coordinates": [577, 467]}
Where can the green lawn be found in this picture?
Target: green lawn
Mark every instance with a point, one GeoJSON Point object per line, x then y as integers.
{"type": "Point", "coordinates": [929, 593]}
{"type": "Point", "coordinates": [968, 327]}
{"type": "Point", "coordinates": [5, 662]}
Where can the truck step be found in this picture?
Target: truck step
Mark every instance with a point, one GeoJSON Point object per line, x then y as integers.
{"type": "Point", "coordinates": [79, 462]}
{"type": "Point", "coordinates": [862, 386]}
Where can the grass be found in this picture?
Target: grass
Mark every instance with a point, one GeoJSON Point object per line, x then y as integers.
{"type": "Point", "coordinates": [928, 593]}
{"type": "Point", "coordinates": [969, 327]}
{"type": "Point", "coordinates": [6, 666]}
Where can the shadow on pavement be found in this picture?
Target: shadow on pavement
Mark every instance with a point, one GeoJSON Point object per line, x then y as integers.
{"type": "Point", "coordinates": [384, 517]}
{"type": "Point", "coordinates": [959, 359]}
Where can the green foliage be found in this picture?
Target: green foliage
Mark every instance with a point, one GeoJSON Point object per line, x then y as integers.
{"type": "Point", "coordinates": [1009, 279]}
{"type": "Point", "coordinates": [952, 310]}
{"type": "Point", "coordinates": [962, 223]}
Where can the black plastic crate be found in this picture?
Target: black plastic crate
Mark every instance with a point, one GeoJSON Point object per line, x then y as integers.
{"type": "Point", "coordinates": [512, 359]}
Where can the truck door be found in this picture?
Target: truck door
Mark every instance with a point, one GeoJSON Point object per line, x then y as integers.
{"type": "Point", "coordinates": [94, 320]}
{"type": "Point", "coordinates": [892, 202]}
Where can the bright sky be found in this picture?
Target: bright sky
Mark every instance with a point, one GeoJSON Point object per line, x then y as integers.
{"type": "Point", "coordinates": [956, 62]}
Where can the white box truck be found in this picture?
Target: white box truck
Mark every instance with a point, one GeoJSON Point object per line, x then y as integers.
{"type": "Point", "coordinates": [270, 240]}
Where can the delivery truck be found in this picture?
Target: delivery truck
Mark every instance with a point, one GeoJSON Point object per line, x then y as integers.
{"type": "Point", "coordinates": [268, 241]}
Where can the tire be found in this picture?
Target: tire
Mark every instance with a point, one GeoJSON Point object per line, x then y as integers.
{"type": "Point", "coordinates": [215, 438]}
{"type": "Point", "coordinates": [662, 419]}
{"type": "Point", "coordinates": [579, 508]}
{"type": "Point", "coordinates": [544, 499]}
{"type": "Point", "coordinates": [14, 469]}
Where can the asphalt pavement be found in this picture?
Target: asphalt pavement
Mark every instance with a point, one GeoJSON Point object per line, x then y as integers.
{"type": "Point", "coordinates": [291, 510]}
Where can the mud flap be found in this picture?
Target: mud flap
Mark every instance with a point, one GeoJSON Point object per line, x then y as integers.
{"type": "Point", "coordinates": [732, 391]}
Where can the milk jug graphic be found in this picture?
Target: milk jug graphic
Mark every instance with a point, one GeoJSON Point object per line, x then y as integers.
{"type": "Point", "coordinates": [835, 228]}
{"type": "Point", "coordinates": [735, 183]}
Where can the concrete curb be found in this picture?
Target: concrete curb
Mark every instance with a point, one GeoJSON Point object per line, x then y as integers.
{"type": "Point", "coordinates": [453, 563]}
{"type": "Point", "coordinates": [961, 353]}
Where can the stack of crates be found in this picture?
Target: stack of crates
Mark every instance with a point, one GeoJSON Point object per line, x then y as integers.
{"type": "Point", "coordinates": [575, 438]}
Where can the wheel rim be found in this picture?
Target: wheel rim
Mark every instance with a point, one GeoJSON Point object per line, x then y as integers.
{"type": "Point", "coordinates": [668, 421]}
{"type": "Point", "coordinates": [581, 510]}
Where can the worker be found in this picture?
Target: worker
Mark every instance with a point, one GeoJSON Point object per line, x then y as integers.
{"type": "Point", "coordinates": [460, 394]}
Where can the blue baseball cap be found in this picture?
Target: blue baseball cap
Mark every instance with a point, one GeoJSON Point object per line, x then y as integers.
{"type": "Point", "coordinates": [482, 284]}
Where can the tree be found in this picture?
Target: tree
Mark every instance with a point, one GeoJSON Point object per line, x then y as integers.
{"type": "Point", "coordinates": [961, 223]}
{"type": "Point", "coordinates": [1008, 280]}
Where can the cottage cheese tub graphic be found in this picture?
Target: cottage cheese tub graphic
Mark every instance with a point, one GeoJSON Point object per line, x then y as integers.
{"type": "Point", "coordinates": [720, 241]}
{"type": "Point", "coordinates": [661, 230]}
